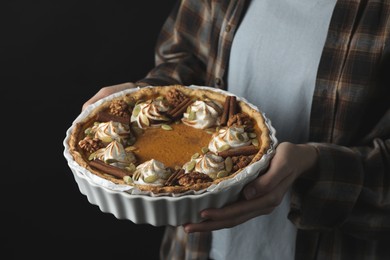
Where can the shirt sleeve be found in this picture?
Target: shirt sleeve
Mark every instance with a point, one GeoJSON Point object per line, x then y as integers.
{"type": "Point", "coordinates": [350, 189]}
{"type": "Point", "coordinates": [182, 46]}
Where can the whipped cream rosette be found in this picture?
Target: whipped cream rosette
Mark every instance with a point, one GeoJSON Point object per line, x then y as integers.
{"type": "Point", "coordinates": [150, 113]}
{"type": "Point", "coordinates": [115, 154]}
{"type": "Point", "coordinates": [112, 130]}
{"type": "Point", "coordinates": [211, 164]}
{"type": "Point", "coordinates": [229, 137]}
{"type": "Point", "coordinates": [151, 172]}
{"type": "Point", "coordinates": [202, 114]}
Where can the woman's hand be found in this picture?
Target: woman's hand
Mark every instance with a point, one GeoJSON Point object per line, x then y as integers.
{"type": "Point", "coordinates": [105, 91]}
{"type": "Point", "coordinates": [265, 193]}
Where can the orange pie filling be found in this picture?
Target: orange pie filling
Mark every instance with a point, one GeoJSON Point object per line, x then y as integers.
{"type": "Point", "coordinates": [171, 147]}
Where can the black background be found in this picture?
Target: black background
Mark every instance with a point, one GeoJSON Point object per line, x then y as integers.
{"type": "Point", "coordinates": [54, 55]}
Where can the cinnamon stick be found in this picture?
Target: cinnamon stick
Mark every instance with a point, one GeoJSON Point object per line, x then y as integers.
{"type": "Point", "coordinates": [225, 113]}
{"type": "Point", "coordinates": [106, 168]}
{"type": "Point", "coordinates": [180, 109]}
{"type": "Point", "coordinates": [175, 109]}
{"type": "Point", "coordinates": [232, 107]}
{"type": "Point", "coordinates": [172, 180]}
{"type": "Point", "coordinates": [243, 150]}
{"type": "Point", "coordinates": [105, 117]}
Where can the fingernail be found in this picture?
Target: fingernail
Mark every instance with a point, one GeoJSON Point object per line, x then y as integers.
{"type": "Point", "coordinates": [186, 229]}
{"type": "Point", "coordinates": [250, 193]}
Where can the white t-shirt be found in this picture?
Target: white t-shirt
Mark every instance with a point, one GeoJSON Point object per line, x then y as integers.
{"type": "Point", "coordinates": [273, 64]}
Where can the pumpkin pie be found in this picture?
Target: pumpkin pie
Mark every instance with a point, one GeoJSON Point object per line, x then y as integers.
{"type": "Point", "coordinates": [170, 139]}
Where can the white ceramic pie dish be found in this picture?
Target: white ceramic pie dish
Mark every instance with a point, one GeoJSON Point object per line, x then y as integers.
{"type": "Point", "coordinates": [160, 210]}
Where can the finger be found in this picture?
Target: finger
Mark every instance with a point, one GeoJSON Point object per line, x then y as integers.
{"type": "Point", "coordinates": [92, 100]}
{"type": "Point", "coordinates": [230, 215]}
{"type": "Point", "coordinates": [265, 183]}
{"type": "Point", "coordinates": [210, 225]}
{"type": "Point", "coordinates": [105, 91]}
{"type": "Point", "coordinates": [240, 211]}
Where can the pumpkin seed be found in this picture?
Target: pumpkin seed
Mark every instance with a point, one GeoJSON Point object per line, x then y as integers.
{"type": "Point", "coordinates": [205, 150]}
{"type": "Point", "coordinates": [223, 148]}
{"type": "Point", "coordinates": [192, 115]}
{"type": "Point", "coordinates": [195, 155]}
{"type": "Point", "coordinates": [151, 178]}
{"type": "Point", "coordinates": [131, 167]}
{"type": "Point", "coordinates": [136, 110]}
{"type": "Point", "coordinates": [252, 135]}
{"type": "Point", "coordinates": [255, 142]}
{"type": "Point", "coordinates": [222, 174]}
{"type": "Point", "coordinates": [92, 156]}
{"type": "Point", "coordinates": [127, 179]}
{"type": "Point", "coordinates": [188, 110]}
{"type": "Point", "coordinates": [144, 120]}
{"type": "Point", "coordinates": [88, 131]}
{"type": "Point", "coordinates": [190, 166]}
{"type": "Point", "coordinates": [210, 132]}
{"type": "Point", "coordinates": [228, 164]}
{"type": "Point", "coordinates": [131, 148]}
{"type": "Point", "coordinates": [110, 160]}
{"type": "Point", "coordinates": [213, 175]}
{"type": "Point", "coordinates": [166, 127]}
{"type": "Point", "coordinates": [106, 139]}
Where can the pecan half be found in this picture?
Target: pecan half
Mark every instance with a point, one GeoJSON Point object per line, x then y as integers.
{"type": "Point", "coordinates": [175, 97]}
{"type": "Point", "coordinates": [241, 119]}
{"type": "Point", "coordinates": [174, 177]}
{"type": "Point", "coordinates": [119, 108]}
{"type": "Point", "coordinates": [192, 178]}
{"type": "Point", "coordinates": [90, 144]}
{"type": "Point", "coordinates": [241, 161]}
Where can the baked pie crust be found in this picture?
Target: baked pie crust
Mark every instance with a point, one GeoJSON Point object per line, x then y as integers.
{"type": "Point", "coordinates": [169, 141]}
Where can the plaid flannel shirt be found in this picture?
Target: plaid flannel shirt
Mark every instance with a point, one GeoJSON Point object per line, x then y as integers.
{"type": "Point", "coordinates": [342, 210]}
